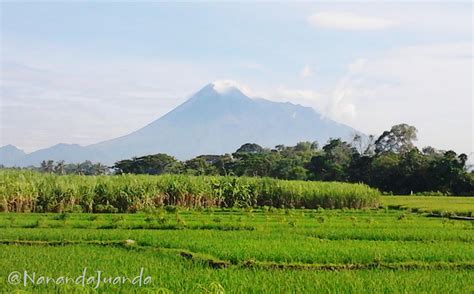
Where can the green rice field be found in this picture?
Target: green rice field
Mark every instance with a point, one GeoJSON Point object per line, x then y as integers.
{"type": "Point", "coordinates": [239, 250]}
{"type": "Point", "coordinates": [432, 204]}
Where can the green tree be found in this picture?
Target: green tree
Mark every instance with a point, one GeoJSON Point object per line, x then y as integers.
{"type": "Point", "coordinates": [333, 164]}
{"type": "Point", "coordinates": [448, 174]}
{"type": "Point", "coordinates": [250, 148]}
{"type": "Point", "coordinates": [60, 168]}
{"type": "Point", "coordinates": [398, 140]}
{"type": "Point", "coordinates": [201, 165]}
{"type": "Point", "coordinates": [253, 164]}
{"type": "Point", "coordinates": [47, 166]}
{"type": "Point", "coordinates": [306, 146]}
{"type": "Point", "coordinates": [150, 164]}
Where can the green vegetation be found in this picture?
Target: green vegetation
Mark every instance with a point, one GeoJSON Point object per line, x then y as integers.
{"type": "Point", "coordinates": [22, 191]}
{"type": "Point", "coordinates": [266, 250]}
{"type": "Point", "coordinates": [194, 228]}
{"type": "Point", "coordinates": [390, 163]}
{"type": "Point", "coordinates": [432, 204]}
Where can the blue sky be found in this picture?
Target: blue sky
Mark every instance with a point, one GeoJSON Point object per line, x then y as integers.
{"type": "Point", "coordinates": [86, 72]}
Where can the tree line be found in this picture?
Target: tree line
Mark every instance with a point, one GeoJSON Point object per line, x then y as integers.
{"type": "Point", "coordinates": [390, 162]}
{"type": "Point", "coordinates": [87, 168]}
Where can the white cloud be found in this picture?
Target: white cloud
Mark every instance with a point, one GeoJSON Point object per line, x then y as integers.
{"type": "Point", "coordinates": [428, 86]}
{"type": "Point", "coordinates": [306, 72]}
{"type": "Point", "coordinates": [348, 21]}
{"type": "Point", "coordinates": [224, 86]}
{"type": "Point", "coordinates": [335, 104]}
{"type": "Point", "coordinates": [339, 108]}
{"type": "Point", "coordinates": [88, 103]}
{"type": "Point", "coordinates": [327, 104]}
{"type": "Point", "coordinates": [305, 97]}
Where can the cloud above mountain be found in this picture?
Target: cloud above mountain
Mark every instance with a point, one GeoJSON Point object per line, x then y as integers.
{"type": "Point", "coordinates": [90, 79]}
{"type": "Point", "coordinates": [427, 86]}
{"type": "Point", "coordinates": [224, 86]}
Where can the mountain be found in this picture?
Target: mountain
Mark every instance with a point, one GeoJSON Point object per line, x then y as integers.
{"type": "Point", "coordinates": [9, 154]}
{"type": "Point", "coordinates": [67, 152]}
{"type": "Point", "coordinates": [215, 120]}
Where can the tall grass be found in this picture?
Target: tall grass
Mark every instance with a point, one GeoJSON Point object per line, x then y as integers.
{"type": "Point", "coordinates": [31, 191]}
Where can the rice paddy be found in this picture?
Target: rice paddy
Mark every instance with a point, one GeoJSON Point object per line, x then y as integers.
{"type": "Point", "coordinates": [235, 250]}
{"type": "Point", "coordinates": [432, 204]}
{"type": "Point", "coordinates": [185, 234]}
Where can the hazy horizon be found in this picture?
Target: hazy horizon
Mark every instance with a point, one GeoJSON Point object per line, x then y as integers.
{"type": "Point", "coordinates": [83, 73]}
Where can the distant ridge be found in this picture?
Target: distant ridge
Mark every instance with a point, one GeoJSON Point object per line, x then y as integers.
{"type": "Point", "coordinates": [216, 120]}
{"type": "Point", "coordinates": [9, 155]}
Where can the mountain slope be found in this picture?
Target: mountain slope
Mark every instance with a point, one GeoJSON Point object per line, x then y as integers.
{"type": "Point", "coordinates": [9, 154]}
{"type": "Point", "coordinates": [215, 120]}
{"type": "Point", "coordinates": [68, 152]}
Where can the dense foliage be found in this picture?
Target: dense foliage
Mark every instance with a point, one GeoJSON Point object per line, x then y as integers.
{"type": "Point", "coordinates": [32, 191]}
{"type": "Point", "coordinates": [390, 163]}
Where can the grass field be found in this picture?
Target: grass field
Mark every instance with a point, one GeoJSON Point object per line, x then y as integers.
{"type": "Point", "coordinates": [243, 251]}
{"type": "Point", "coordinates": [432, 204]}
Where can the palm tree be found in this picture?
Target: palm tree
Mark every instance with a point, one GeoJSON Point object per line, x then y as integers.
{"type": "Point", "coordinates": [47, 166]}
{"type": "Point", "coordinates": [60, 168]}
